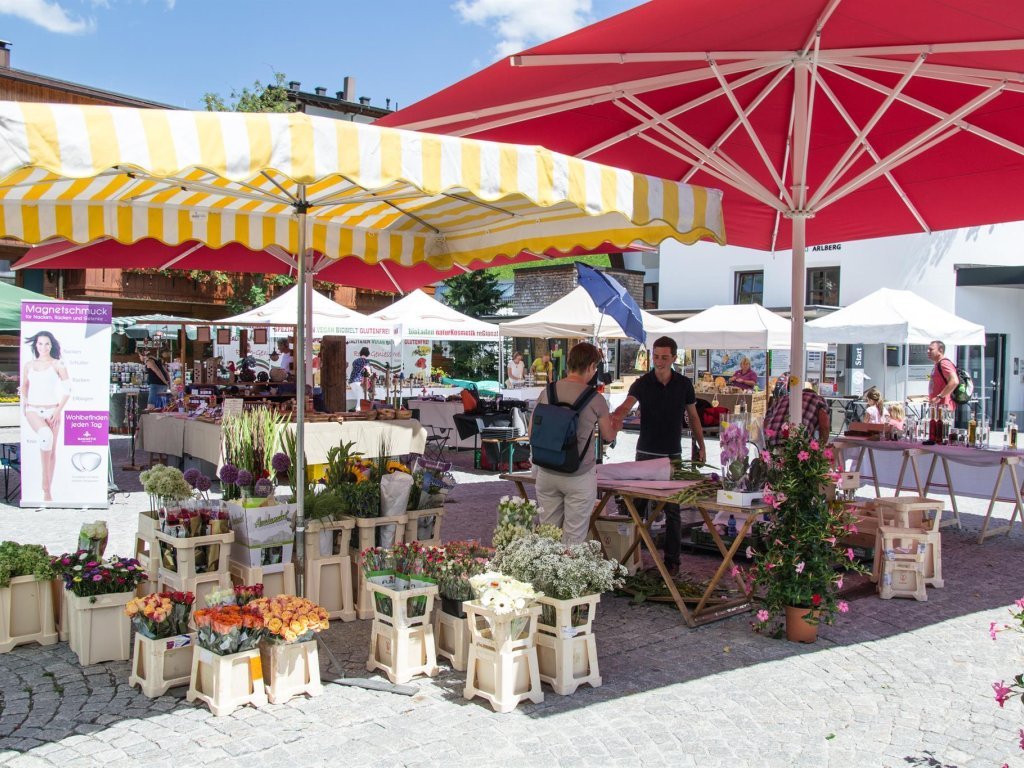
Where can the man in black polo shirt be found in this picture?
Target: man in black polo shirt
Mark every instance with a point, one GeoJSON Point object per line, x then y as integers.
{"type": "Point", "coordinates": [664, 395]}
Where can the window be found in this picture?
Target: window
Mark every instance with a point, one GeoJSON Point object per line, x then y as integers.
{"type": "Point", "coordinates": [749, 288]}
{"type": "Point", "coordinates": [650, 295]}
{"type": "Point", "coordinates": [823, 286]}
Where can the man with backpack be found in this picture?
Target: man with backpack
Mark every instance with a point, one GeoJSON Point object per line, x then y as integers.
{"type": "Point", "coordinates": [664, 396]}
{"type": "Point", "coordinates": [944, 378]}
{"type": "Point", "coordinates": [561, 439]}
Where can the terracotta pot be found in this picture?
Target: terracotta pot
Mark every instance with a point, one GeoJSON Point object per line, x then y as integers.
{"type": "Point", "coordinates": [798, 629]}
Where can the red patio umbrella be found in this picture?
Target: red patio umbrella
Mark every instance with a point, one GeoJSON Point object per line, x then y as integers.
{"type": "Point", "coordinates": [829, 120]}
{"type": "Point", "coordinates": [351, 271]}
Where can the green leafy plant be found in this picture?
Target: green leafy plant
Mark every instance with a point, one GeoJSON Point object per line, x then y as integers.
{"type": "Point", "coordinates": [328, 506]}
{"type": "Point", "coordinates": [802, 537]}
{"type": "Point", "coordinates": [339, 465]}
{"type": "Point", "coordinates": [249, 440]}
{"type": "Point", "coordinates": [24, 560]}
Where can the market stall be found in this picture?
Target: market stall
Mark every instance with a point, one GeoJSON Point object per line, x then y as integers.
{"type": "Point", "coordinates": [575, 316]}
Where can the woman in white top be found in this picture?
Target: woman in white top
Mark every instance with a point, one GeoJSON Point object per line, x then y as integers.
{"type": "Point", "coordinates": [284, 360]}
{"type": "Point", "coordinates": [516, 370]}
{"type": "Point", "coordinates": [875, 412]}
{"type": "Point", "coordinates": [45, 390]}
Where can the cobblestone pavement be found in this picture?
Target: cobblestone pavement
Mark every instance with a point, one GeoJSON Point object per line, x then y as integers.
{"type": "Point", "coordinates": [894, 683]}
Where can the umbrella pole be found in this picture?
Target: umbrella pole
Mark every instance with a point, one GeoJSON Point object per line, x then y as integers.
{"type": "Point", "coordinates": [300, 401]}
{"type": "Point", "coordinates": [798, 356]}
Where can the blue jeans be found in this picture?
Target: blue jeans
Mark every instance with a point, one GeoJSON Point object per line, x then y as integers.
{"type": "Point", "coordinates": [157, 394]}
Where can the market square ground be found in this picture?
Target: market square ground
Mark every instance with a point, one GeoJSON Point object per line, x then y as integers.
{"type": "Point", "coordinates": [893, 683]}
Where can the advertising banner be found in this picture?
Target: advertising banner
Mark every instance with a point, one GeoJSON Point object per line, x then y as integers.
{"type": "Point", "coordinates": [65, 399]}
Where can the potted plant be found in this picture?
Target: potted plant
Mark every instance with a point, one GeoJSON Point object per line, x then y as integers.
{"type": "Point", "coordinates": [795, 569]}
{"type": "Point", "coordinates": [458, 562]}
{"type": "Point", "coordinates": [502, 666]}
{"type": "Point", "coordinates": [571, 580]}
{"type": "Point", "coordinates": [288, 650]}
{"type": "Point", "coordinates": [162, 656]}
{"type": "Point", "coordinates": [226, 667]}
{"type": "Point", "coordinates": [98, 591]}
{"type": "Point", "coordinates": [26, 600]}
{"type": "Point", "coordinates": [403, 592]}
{"type": "Point", "coordinates": [249, 440]}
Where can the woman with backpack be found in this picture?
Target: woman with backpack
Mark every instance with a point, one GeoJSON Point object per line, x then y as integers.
{"type": "Point", "coordinates": [567, 495]}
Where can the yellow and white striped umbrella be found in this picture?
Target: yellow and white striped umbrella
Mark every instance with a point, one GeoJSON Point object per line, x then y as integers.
{"type": "Point", "coordinates": [86, 172]}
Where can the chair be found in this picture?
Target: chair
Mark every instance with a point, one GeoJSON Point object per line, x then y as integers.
{"type": "Point", "coordinates": [437, 441]}
{"type": "Point", "coordinates": [10, 460]}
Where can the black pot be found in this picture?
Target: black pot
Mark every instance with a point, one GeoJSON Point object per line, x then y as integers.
{"type": "Point", "coordinates": [452, 607]}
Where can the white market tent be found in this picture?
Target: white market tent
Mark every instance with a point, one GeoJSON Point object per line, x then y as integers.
{"type": "Point", "coordinates": [328, 317]}
{"type": "Point", "coordinates": [575, 316]}
{"type": "Point", "coordinates": [890, 316]}
{"type": "Point", "coordinates": [423, 317]}
{"type": "Point", "coordinates": [734, 326]}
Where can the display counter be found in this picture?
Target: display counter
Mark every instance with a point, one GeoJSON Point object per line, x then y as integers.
{"type": "Point", "coordinates": [172, 434]}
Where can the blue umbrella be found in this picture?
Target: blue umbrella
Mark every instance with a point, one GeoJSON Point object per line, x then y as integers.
{"type": "Point", "coordinates": [613, 300]}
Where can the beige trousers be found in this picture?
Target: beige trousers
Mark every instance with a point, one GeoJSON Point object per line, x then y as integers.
{"type": "Point", "coordinates": [567, 501]}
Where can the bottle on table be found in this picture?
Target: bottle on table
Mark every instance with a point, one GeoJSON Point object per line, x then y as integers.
{"type": "Point", "coordinates": [1011, 428]}
{"type": "Point", "coordinates": [730, 527]}
{"type": "Point", "coordinates": [972, 432]}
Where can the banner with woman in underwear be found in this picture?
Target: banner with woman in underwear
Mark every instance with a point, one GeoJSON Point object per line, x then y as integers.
{"type": "Point", "coordinates": [65, 403]}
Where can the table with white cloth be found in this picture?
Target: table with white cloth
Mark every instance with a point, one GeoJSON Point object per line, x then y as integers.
{"type": "Point", "coordinates": [955, 469]}
{"type": "Point", "coordinates": [713, 604]}
{"type": "Point", "coordinates": [176, 435]}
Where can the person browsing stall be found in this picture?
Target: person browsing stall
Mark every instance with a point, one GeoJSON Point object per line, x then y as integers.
{"type": "Point", "coordinates": [567, 499]}
{"type": "Point", "coordinates": [944, 378]}
{"type": "Point", "coordinates": [875, 412]}
{"type": "Point", "coordinates": [815, 416]}
{"type": "Point", "coordinates": [664, 395]}
{"type": "Point", "coordinates": [745, 377]}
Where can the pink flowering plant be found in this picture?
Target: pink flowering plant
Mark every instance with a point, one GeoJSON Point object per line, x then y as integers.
{"type": "Point", "coordinates": [1014, 689]}
{"type": "Point", "coordinates": [802, 560]}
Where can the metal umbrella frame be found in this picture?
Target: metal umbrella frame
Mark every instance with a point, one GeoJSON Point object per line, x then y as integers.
{"type": "Point", "coordinates": [848, 119]}
{"type": "Point", "coordinates": [316, 185]}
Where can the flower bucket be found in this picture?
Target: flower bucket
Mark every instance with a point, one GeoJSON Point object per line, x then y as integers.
{"type": "Point", "coordinates": [291, 669]}
{"type": "Point", "coordinates": [566, 645]}
{"type": "Point", "coordinates": [451, 633]}
{"type": "Point", "coordinates": [225, 683]}
{"type": "Point", "coordinates": [502, 665]}
{"type": "Point", "coordinates": [26, 613]}
{"type": "Point", "coordinates": [161, 664]}
{"type": "Point", "coordinates": [100, 629]}
{"type": "Point", "coordinates": [799, 629]}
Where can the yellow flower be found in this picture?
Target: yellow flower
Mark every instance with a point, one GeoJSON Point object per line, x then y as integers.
{"type": "Point", "coordinates": [274, 625]}
{"type": "Point", "coordinates": [290, 636]}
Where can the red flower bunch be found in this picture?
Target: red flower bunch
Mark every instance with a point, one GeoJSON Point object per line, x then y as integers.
{"type": "Point", "coordinates": [246, 594]}
{"type": "Point", "coordinates": [164, 614]}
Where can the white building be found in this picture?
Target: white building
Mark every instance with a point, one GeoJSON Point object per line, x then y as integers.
{"type": "Point", "coordinates": [977, 273]}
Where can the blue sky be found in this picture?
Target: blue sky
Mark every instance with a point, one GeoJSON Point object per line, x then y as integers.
{"type": "Point", "coordinates": [174, 51]}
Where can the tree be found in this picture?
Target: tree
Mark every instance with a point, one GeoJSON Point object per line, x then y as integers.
{"type": "Point", "coordinates": [262, 97]}
{"type": "Point", "coordinates": [475, 294]}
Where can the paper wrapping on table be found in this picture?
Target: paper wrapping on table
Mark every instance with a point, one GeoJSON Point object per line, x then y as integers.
{"type": "Point", "coordinates": [195, 522]}
{"type": "Point", "coordinates": [651, 469]}
{"type": "Point", "coordinates": [394, 493]}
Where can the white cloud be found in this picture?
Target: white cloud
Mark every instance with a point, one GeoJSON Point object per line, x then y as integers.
{"type": "Point", "coordinates": [521, 24]}
{"type": "Point", "coordinates": [48, 15]}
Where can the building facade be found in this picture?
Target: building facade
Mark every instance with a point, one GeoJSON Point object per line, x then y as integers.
{"type": "Point", "coordinates": [976, 273]}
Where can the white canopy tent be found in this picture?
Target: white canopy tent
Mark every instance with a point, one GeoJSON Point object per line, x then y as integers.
{"type": "Point", "coordinates": [734, 326]}
{"type": "Point", "coordinates": [328, 317]}
{"type": "Point", "coordinates": [890, 316]}
{"type": "Point", "coordinates": [576, 316]}
{"type": "Point", "coordinates": [424, 317]}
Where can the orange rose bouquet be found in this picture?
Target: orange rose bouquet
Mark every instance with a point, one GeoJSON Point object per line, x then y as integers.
{"type": "Point", "coordinates": [227, 629]}
{"type": "Point", "coordinates": [164, 614]}
{"type": "Point", "coordinates": [290, 619]}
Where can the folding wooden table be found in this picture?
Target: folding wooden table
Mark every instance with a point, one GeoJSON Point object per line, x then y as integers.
{"type": "Point", "coordinates": [708, 608]}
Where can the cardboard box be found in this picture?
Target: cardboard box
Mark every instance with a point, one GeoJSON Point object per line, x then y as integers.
{"type": "Point", "coordinates": [616, 535]}
{"type": "Point", "coordinates": [740, 498]}
{"type": "Point", "coordinates": [264, 536]}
